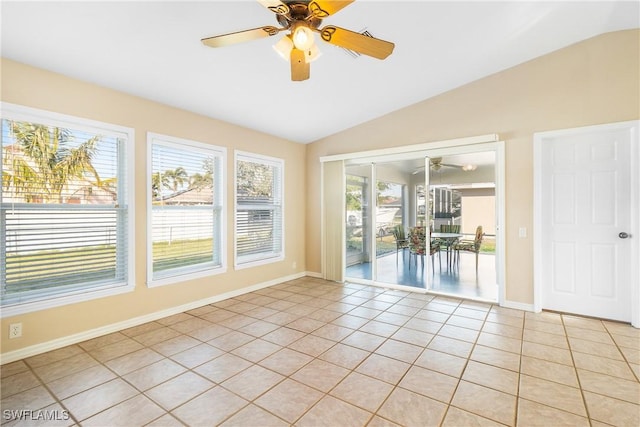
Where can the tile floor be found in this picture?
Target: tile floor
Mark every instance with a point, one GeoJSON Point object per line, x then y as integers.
{"type": "Point", "coordinates": [313, 353]}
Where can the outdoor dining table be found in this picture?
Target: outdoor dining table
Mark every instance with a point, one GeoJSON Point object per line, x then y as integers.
{"type": "Point", "coordinates": [450, 238]}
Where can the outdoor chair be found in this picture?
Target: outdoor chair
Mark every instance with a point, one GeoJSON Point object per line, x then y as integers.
{"type": "Point", "coordinates": [401, 240]}
{"type": "Point", "coordinates": [469, 246]}
{"type": "Point", "coordinates": [418, 246]}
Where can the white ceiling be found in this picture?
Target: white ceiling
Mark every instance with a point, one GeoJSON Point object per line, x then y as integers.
{"type": "Point", "coordinates": [152, 49]}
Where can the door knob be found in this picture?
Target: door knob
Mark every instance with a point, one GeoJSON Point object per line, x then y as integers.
{"type": "Point", "coordinates": [624, 235]}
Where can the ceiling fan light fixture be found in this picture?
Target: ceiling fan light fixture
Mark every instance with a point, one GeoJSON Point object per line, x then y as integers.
{"type": "Point", "coordinates": [469, 167]}
{"type": "Point", "coordinates": [283, 47]}
{"type": "Point", "coordinates": [302, 36]}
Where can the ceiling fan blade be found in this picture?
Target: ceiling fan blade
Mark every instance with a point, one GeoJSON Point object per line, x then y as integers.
{"type": "Point", "coordinates": [323, 8]}
{"type": "Point", "coordinates": [300, 68]}
{"type": "Point", "coordinates": [241, 36]}
{"type": "Point", "coordinates": [357, 42]}
{"type": "Point", "coordinates": [275, 6]}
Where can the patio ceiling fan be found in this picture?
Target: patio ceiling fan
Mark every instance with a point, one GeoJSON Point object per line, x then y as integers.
{"type": "Point", "coordinates": [435, 164]}
{"type": "Point", "coordinates": [301, 19]}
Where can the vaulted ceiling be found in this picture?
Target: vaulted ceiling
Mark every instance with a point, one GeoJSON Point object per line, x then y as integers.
{"type": "Point", "coordinates": [152, 49]}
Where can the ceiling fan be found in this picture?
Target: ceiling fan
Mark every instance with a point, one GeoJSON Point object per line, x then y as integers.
{"type": "Point", "coordinates": [435, 164]}
{"type": "Point", "coordinates": [301, 18]}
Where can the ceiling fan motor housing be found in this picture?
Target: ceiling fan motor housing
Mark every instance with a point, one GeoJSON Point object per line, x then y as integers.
{"type": "Point", "coordinates": [299, 11]}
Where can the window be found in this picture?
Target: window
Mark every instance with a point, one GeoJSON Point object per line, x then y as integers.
{"type": "Point", "coordinates": [64, 210]}
{"type": "Point", "coordinates": [186, 194]}
{"type": "Point", "coordinates": [259, 210]}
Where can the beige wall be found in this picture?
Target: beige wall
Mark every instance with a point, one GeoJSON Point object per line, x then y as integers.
{"type": "Point", "coordinates": [41, 89]}
{"type": "Point", "coordinates": [592, 82]}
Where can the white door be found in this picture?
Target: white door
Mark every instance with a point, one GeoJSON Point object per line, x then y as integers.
{"type": "Point", "coordinates": [584, 211]}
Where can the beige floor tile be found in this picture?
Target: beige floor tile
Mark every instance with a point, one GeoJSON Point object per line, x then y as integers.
{"type": "Point", "coordinates": [429, 383]}
{"type": "Point", "coordinates": [156, 336]}
{"type": "Point", "coordinates": [175, 345]}
{"type": "Point", "coordinates": [252, 415]}
{"type": "Point", "coordinates": [383, 368]}
{"type": "Point", "coordinates": [545, 352]}
{"type": "Point", "coordinates": [442, 362]}
{"type": "Point", "coordinates": [424, 325]}
{"type": "Point", "coordinates": [493, 377]}
{"type": "Point", "coordinates": [34, 399]}
{"type": "Point", "coordinates": [393, 318]}
{"type": "Point", "coordinates": [62, 368]}
{"type": "Point", "coordinates": [457, 417]}
{"type": "Point", "coordinates": [205, 309]}
{"type": "Point", "coordinates": [222, 368]}
{"type": "Point", "coordinates": [131, 362]}
{"type": "Point", "coordinates": [197, 355]}
{"type": "Point", "coordinates": [399, 350]}
{"type": "Point", "coordinates": [312, 345]}
{"type": "Point", "coordinates": [451, 346]}
{"type": "Point", "coordinates": [80, 381]}
{"type": "Point", "coordinates": [289, 400]}
{"type": "Point", "coordinates": [627, 341]}
{"type": "Point", "coordinates": [324, 315]}
{"type": "Point", "coordinates": [631, 355]}
{"type": "Point", "coordinates": [333, 332]}
{"type": "Point", "coordinates": [13, 368]}
{"type": "Point", "coordinates": [610, 386]}
{"type": "Point", "coordinates": [412, 336]}
{"type": "Point", "coordinates": [176, 318]}
{"type": "Point", "coordinates": [258, 329]}
{"type": "Point", "coordinates": [187, 326]}
{"type": "Point", "coordinates": [535, 414]}
{"type": "Point", "coordinates": [210, 408]}
{"type": "Point", "coordinates": [349, 321]}
{"type": "Point", "coordinates": [542, 326]}
{"type": "Point", "coordinates": [116, 349]}
{"type": "Point", "coordinates": [551, 371]}
{"type": "Point", "coordinates": [99, 398]}
{"type": "Point", "coordinates": [412, 409]}
{"type": "Point", "coordinates": [231, 341]}
{"type": "Point", "coordinates": [134, 412]}
{"type": "Point", "coordinates": [552, 394]}
{"type": "Point", "coordinates": [261, 312]}
{"type": "Point", "coordinates": [544, 316]}
{"type": "Point", "coordinates": [102, 341]}
{"type": "Point", "coordinates": [586, 334]}
{"type": "Point", "coordinates": [598, 349]}
{"type": "Point", "coordinates": [362, 391]}
{"type": "Point", "coordinates": [54, 356]}
{"type": "Point", "coordinates": [612, 411]}
{"type": "Point", "coordinates": [283, 336]}
{"type": "Point", "coordinates": [141, 329]}
{"type": "Point", "coordinates": [154, 374]}
{"type": "Point", "coordinates": [500, 342]}
{"type": "Point", "coordinates": [603, 365]}
{"type": "Point", "coordinates": [379, 328]}
{"type": "Point", "coordinates": [363, 341]}
{"type": "Point", "coordinates": [434, 316]}
{"type": "Point", "coordinates": [465, 322]}
{"type": "Point", "coordinates": [179, 390]}
{"type": "Point", "coordinates": [456, 332]}
{"type": "Point", "coordinates": [620, 328]}
{"type": "Point", "coordinates": [377, 421]}
{"type": "Point", "coordinates": [504, 319]}
{"type": "Point", "coordinates": [486, 402]}
{"type": "Point", "coordinates": [442, 305]}
{"type": "Point", "coordinates": [286, 361]}
{"type": "Point", "coordinates": [403, 309]}
{"type": "Point", "coordinates": [18, 383]}
{"type": "Point", "coordinates": [583, 322]}
{"type": "Point", "coordinates": [252, 382]}
{"type": "Point", "coordinates": [552, 340]}
{"type": "Point", "coordinates": [344, 355]}
{"type": "Point", "coordinates": [495, 357]}
{"type": "Point", "coordinates": [503, 330]}
{"type": "Point", "coordinates": [305, 324]}
{"type": "Point", "coordinates": [217, 315]}
{"type": "Point", "coordinates": [320, 375]}
{"type": "Point", "coordinates": [166, 420]}
{"type": "Point", "coordinates": [256, 350]}
{"type": "Point", "coordinates": [331, 412]}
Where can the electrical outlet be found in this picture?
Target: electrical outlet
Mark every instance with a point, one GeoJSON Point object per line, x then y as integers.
{"type": "Point", "coordinates": [15, 330]}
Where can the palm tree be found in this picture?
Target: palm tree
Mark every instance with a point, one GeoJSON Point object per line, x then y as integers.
{"type": "Point", "coordinates": [46, 163]}
{"type": "Point", "coordinates": [177, 178]}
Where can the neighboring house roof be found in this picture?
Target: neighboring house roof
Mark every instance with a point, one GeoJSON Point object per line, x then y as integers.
{"type": "Point", "coordinates": [192, 196]}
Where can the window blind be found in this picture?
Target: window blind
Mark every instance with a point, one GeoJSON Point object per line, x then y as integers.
{"type": "Point", "coordinates": [186, 205]}
{"type": "Point", "coordinates": [259, 209]}
{"type": "Point", "coordinates": [63, 211]}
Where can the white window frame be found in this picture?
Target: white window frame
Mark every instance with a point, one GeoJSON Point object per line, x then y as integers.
{"type": "Point", "coordinates": [22, 113]}
{"type": "Point", "coordinates": [220, 193]}
{"type": "Point", "coordinates": [271, 161]}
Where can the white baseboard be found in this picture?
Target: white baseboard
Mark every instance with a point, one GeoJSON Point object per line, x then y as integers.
{"type": "Point", "coordinates": [518, 305]}
{"type": "Point", "coordinates": [57, 343]}
{"type": "Point", "coordinates": [313, 274]}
